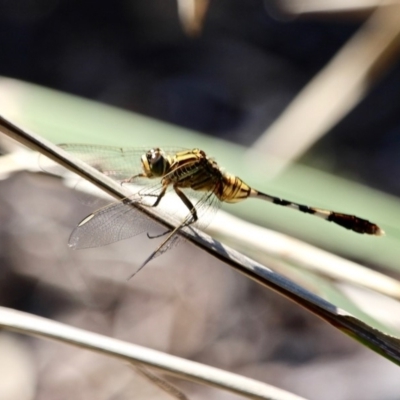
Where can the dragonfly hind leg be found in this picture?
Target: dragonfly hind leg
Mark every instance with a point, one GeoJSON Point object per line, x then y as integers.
{"type": "Point", "coordinates": [185, 201]}
{"type": "Point", "coordinates": [188, 204]}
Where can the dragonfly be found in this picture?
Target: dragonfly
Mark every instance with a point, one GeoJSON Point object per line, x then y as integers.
{"type": "Point", "coordinates": [195, 178]}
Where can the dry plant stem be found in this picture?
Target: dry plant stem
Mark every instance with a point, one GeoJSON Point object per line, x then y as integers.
{"type": "Point", "coordinates": [380, 342]}
{"type": "Point", "coordinates": [192, 14]}
{"type": "Point", "coordinates": [300, 7]}
{"type": "Point", "coordinates": [30, 324]}
{"type": "Point", "coordinates": [302, 255]}
{"type": "Point", "coordinates": [335, 90]}
{"type": "Point", "coordinates": [80, 168]}
{"type": "Point", "coordinates": [161, 383]}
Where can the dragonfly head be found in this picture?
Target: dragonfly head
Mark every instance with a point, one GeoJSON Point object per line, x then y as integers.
{"type": "Point", "coordinates": [155, 163]}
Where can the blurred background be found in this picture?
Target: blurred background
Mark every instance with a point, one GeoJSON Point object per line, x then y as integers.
{"type": "Point", "coordinates": [240, 71]}
{"type": "Point", "coordinates": [231, 80]}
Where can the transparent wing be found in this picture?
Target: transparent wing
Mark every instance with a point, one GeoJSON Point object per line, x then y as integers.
{"type": "Point", "coordinates": [119, 221]}
{"type": "Point", "coordinates": [206, 205]}
{"type": "Point", "coordinates": [110, 224]}
{"type": "Point", "coordinates": [116, 162]}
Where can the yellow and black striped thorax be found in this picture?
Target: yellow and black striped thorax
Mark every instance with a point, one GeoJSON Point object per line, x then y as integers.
{"type": "Point", "coordinates": [193, 169]}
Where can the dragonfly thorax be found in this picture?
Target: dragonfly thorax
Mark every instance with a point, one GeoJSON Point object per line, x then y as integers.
{"type": "Point", "coordinates": [192, 169]}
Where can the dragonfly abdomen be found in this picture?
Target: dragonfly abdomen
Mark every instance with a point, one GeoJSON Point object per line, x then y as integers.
{"type": "Point", "coordinates": [347, 221]}
{"type": "Point", "coordinates": [232, 189]}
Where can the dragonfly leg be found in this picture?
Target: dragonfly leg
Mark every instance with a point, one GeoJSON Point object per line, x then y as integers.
{"type": "Point", "coordinates": [159, 235]}
{"type": "Point", "coordinates": [132, 178]}
{"type": "Point", "coordinates": [188, 204]}
{"type": "Point", "coordinates": [160, 249]}
{"type": "Point", "coordinates": [160, 196]}
{"type": "Point", "coordinates": [158, 199]}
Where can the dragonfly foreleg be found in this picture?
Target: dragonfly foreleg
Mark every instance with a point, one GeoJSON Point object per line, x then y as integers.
{"type": "Point", "coordinates": [159, 196]}
{"type": "Point", "coordinates": [132, 178]}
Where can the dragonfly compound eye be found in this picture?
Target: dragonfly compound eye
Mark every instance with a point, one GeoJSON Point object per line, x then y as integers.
{"type": "Point", "coordinates": [157, 162]}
